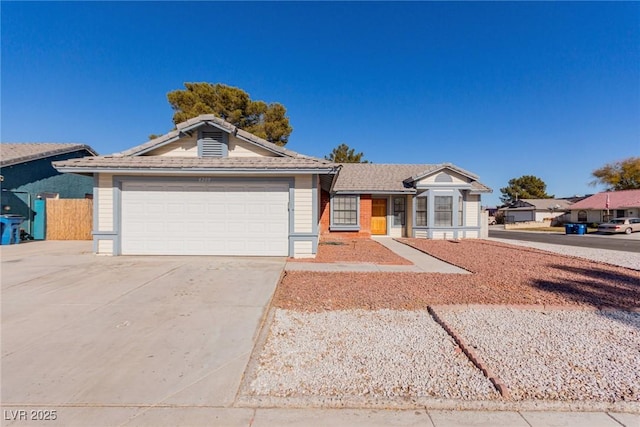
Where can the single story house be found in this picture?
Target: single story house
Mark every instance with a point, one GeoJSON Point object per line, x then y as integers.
{"type": "Point", "coordinates": [602, 207]}
{"type": "Point", "coordinates": [536, 210]}
{"type": "Point", "coordinates": [26, 173]}
{"type": "Point", "coordinates": [209, 188]}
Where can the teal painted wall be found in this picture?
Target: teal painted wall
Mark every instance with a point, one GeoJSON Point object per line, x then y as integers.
{"type": "Point", "coordinates": [39, 176]}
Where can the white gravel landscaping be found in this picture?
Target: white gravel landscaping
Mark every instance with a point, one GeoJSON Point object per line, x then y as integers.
{"type": "Point", "coordinates": [376, 354]}
{"type": "Point", "coordinates": [556, 355]}
{"type": "Point", "coordinates": [619, 258]}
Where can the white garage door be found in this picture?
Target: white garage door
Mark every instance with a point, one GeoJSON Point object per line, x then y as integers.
{"type": "Point", "coordinates": [205, 218]}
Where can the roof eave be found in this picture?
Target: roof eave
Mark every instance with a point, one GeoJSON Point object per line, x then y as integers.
{"type": "Point", "coordinates": [194, 171]}
{"type": "Point", "coordinates": [44, 155]}
{"type": "Point", "coordinates": [408, 191]}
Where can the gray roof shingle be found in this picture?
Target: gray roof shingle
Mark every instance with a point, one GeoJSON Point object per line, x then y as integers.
{"type": "Point", "coordinates": [15, 153]}
{"type": "Point", "coordinates": [165, 163]}
{"type": "Point", "coordinates": [371, 177]}
{"type": "Point", "coordinates": [388, 178]}
{"type": "Point", "coordinates": [547, 204]}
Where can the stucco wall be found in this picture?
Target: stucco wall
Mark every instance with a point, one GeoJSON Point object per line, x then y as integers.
{"type": "Point", "coordinates": [187, 146]}
{"type": "Point", "coordinates": [456, 178]}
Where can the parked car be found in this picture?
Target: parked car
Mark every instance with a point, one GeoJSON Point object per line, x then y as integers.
{"type": "Point", "coordinates": [621, 225]}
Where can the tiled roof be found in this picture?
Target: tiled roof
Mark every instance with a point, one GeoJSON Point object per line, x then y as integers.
{"type": "Point", "coordinates": [208, 119]}
{"type": "Point", "coordinates": [14, 153]}
{"type": "Point", "coordinates": [617, 200]}
{"type": "Point", "coordinates": [480, 187]}
{"type": "Point", "coordinates": [545, 204]}
{"type": "Point", "coordinates": [368, 177]}
{"type": "Point", "coordinates": [371, 177]}
{"type": "Point", "coordinates": [165, 163]}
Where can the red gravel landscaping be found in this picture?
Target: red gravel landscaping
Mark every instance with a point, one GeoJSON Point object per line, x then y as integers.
{"type": "Point", "coordinates": [354, 250]}
{"type": "Point", "coordinates": [502, 274]}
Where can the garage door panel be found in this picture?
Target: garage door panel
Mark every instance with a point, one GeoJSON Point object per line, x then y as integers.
{"type": "Point", "coordinates": [235, 208]}
{"type": "Point", "coordinates": [210, 218]}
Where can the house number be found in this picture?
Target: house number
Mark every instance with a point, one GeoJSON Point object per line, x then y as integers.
{"type": "Point", "coordinates": [202, 179]}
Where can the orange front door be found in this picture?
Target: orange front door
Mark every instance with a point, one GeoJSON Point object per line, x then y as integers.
{"type": "Point", "coordinates": [378, 216]}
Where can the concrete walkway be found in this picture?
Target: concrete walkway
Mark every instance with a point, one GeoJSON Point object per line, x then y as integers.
{"type": "Point", "coordinates": [422, 263]}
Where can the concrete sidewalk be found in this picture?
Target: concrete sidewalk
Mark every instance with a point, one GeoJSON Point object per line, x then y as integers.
{"type": "Point", "coordinates": [158, 416]}
{"type": "Point", "coordinates": [422, 263]}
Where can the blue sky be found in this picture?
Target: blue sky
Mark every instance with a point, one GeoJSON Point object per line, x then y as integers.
{"type": "Point", "coordinates": [500, 89]}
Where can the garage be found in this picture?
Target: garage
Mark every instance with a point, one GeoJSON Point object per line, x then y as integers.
{"type": "Point", "coordinates": [205, 216]}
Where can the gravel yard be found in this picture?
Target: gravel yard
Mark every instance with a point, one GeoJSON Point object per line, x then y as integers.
{"type": "Point", "coordinates": [346, 250]}
{"type": "Point", "coordinates": [338, 338]}
{"type": "Point", "coordinates": [502, 274]}
{"type": "Point", "coordinates": [371, 354]}
{"type": "Point", "coordinates": [556, 355]}
{"type": "Point", "coordinates": [372, 357]}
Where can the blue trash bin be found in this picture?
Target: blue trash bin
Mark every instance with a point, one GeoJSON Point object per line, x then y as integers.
{"type": "Point", "coordinates": [581, 229]}
{"type": "Point", "coordinates": [569, 228]}
{"type": "Point", "coordinates": [10, 233]}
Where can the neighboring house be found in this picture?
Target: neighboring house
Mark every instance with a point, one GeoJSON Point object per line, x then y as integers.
{"type": "Point", "coordinates": [27, 173]}
{"type": "Point", "coordinates": [602, 207]}
{"type": "Point", "coordinates": [535, 210]}
{"type": "Point", "coordinates": [209, 188]}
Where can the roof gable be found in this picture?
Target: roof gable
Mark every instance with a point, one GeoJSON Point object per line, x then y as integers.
{"type": "Point", "coordinates": [15, 153]}
{"type": "Point", "coordinates": [439, 168]}
{"type": "Point", "coordinates": [190, 126]}
{"type": "Point", "coordinates": [390, 178]}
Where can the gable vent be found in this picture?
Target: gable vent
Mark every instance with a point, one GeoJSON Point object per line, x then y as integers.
{"type": "Point", "coordinates": [212, 144]}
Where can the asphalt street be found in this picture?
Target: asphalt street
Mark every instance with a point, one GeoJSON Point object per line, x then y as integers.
{"type": "Point", "coordinates": [613, 242]}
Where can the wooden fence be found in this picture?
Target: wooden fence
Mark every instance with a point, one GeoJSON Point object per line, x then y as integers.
{"type": "Point", "coordinates": [69, 219]}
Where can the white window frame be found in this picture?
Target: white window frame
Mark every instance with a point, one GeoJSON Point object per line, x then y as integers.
{"type": "Point", "coordinates": [402, 213]}
{"type": "Point", "coordinates": [425, 210]}
{"type": "Point", "coordinates": [337, 225]}
{"type": "Point", "coordinates": [437, 221]}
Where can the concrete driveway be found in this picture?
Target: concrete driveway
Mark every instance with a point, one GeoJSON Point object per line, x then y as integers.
{"type": "Point", "coordinates": [82, 332]}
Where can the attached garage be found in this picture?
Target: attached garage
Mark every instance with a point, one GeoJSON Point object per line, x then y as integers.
{"type": "Point", "coordinates": [200, 216]}
{"type": "Point", "coordinates": [205, 188]}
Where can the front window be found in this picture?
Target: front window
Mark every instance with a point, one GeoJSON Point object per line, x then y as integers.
{"type": "Point", "coordinates": [345, 210]}
{"type": "Point", "coordinates": [460, 211]}
{"type": "Point", "coordinates": [421, 211]}
{"type": "Point", "coordinates": [443, 211]}
{"type": "Point", "coordinates": [399, 210]}
{"type": "Point", "coordinates": [582, 216]}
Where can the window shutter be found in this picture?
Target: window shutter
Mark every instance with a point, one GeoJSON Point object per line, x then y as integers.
{"type": "Point", "coordinates": [212, 144]}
